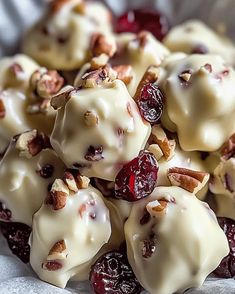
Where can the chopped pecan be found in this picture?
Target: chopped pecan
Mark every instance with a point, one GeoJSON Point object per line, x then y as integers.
{"type": "Point", "coordinates": [100, 77]}
{"type": "Point", "coordinates": [228, 148]}
{"type": "Point", "coordinates": [2, 109]}
{"type": "Point", "coordinates": [150, 76]}
{"type": "Point", "coordinates": [31, 143]}
{"type": "Point", "coordinates": [57, 251]}
{"type": "Point", "coordinates": [91, 119]}
{"type": "Point", "coordinates": [61, 98]}
{"type": "Point", "coordinates": [124, 73]}
{"type": "Point", "coordinates": [157, 207]}
{"type": "Point", "coordinates": [185, 76]}
{"type": "Point", "coordinates": [75, 181]}
{"type": "Point", "coordinates": [167, 146]}
{"type": "Point", "coordinates": [80, 8]}
{"type": "Point", "coordinates": [58, 195]}
{"type": "Point", "coordinates": [156, 150]}
{"type": "Point", "coordinates": [98, 62]}
{"type": "Point", "coordinates": [100, 44]}
{"type": "Point", "coordinates": [45, 83]}
{"type": "Point", "coordinates": [190, 180]}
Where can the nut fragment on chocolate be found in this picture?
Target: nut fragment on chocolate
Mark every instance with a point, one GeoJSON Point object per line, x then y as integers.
{"type": "Point", "coordinates": [57, 251]}
{"type": "Point", "coordinates": [124, 73]}
{"type": "Point", "coordinates": [75, 181]}
{"type": "Point", "coordinates": [157, 208]}
{"type": "Point", "coordinates": [58, 195]}
{"type": "Point", "coordinates": [60, 99]}
{"type": "Point", "coordinates": [80, 8]}
{"type": "Point", "coordinates": [99, 61]}
{"type": "Point", "coordinates": [167, 146]}
{"type": "Point", "coordinates": [91, 119]}
{"type": "Point", "coordinates": [2, 109]}
{"type": "Point", "coordinates": [228, 148]}
{"type": "Point", "coordinates": [190, 180]}
{"type": "Point", "coordinates": [150, 76]}
{"type": "Point", "coordinates": [100, 45]}
{"type": "Point", "coordinates": [156, 150]}
{"type": "Point", "coordinates": [101, 77]}
{"type": "Point", "coordinates": [31, 143]}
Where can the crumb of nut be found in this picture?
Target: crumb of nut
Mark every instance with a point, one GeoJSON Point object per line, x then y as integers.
{"type": "Point", "coordinates": [157, 207]}
{"type": "Point", "coordinates": [58, 195]}
{"type": "Point", "coordinates": [75, 181]}
{"type": "Point", "coordinates": [190, 180]}
{"type": "Point", "coordinates": [228, 149]}
{"type": "Point", "coordinates": [80, 8]}
{"type": "Point", "coordinates": [185, 76]}
{"type": "Point", "coordinates": [30, 143]}
{"type": "Point", "coordinates": [57, 251]}
{"type": "Point", "coordinates": [150, 76]}
{"type": "Point", "coordinates": [83, 182]}
{"type": "Point", "coordinates": [91, 119]}
{"type": "Point", "coordinates": [102, 77]}
{"type": "Point", "coordinates": [2, 109]}
{"type": "Point", "coordinates": [60, 99]}
{"type": "Point", "coordinates": [99, 61]}
{"type": "Point", "coordinates": [124, 73]}
{"type": "Point", "coordinates": [100, 44]}
{"type": "Point", "coordinates": [45, 83]}
{"type": "Point", "coordinates": [156, 150]}
{"type": "Point", "coordinates": [167, 146]}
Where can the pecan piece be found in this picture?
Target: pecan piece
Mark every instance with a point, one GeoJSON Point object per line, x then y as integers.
{"type": "Point", "coordinates": [80, 8]}
{"type": "Point", "coordinates": [61, 98]}
{"type": "Point", "coordinates": [157, 208]}
{"type": "Point", "coordinates": [150, 76]}
{"type": "Point", "coordinates": [99, 61]}
{"type": "Point", "coordinates": [124, 73]}
{"type": "Point", "coordinates": [58, 195]}
{"type": "Point", "coordinates": [100, 77]}
{"type": "Point", "coordinates": [57, 251]}
{"type": "Point", "coordinates": [156, 150]}
{"type": "Point", "coordinates": [2, 109]}
{"type": "Point", "coordinates": [190, 180]}
{"type": "Point", "coordinates": [167, 146]}
{"type": "Point", "coordinates": [100, 44]}
{"type": "Point", "coordinates": [228, 148]}
{"type": "Point", "coordinates": [75, 181]}
{"type": "Point", "coordinates": [90, 118]}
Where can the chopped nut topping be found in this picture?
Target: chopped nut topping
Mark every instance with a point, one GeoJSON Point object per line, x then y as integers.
{"type": "Point", "coordinates": [228, 148]}
{"type": "Point", "coordinates": [31, 143]}
{"type": "Point", "coordinates": [45, 83]}
{"type": "Point", "coordinates": [91, 119]}
{"type": "Point", "coordinates": [185, 76]}
{"type": "Point", "coordinates": [99, 61]}
{"type": "Point", "coordinates": [61, 98]}
{"type": "Point", "coordinates": [57, 251]}
{"type": "Point", "coordinates": [2, 109]}
{"type": "Point", "coordinates": [156, 150]}
{"type": "Point", "coordinates": [100, 44]}
{"type": "Point", "coordinates": [190, 180]}
{"type": "Point", "coordinates": [80, 8]}
{"type": "Point", "coordinates": [150, 76]}
{"type": "Point", "coordinates": [58, 195]}
{"type": "Point", "coordinates": [124, 73]}
{"type": "Point", "coordinates": [167, 146]}
{"type": "Point", "coordinates": [101, 77]}
{"type": "Point", "coordinates": [75, 181]}
{"type": "Point", "coordinates": [157, 208]}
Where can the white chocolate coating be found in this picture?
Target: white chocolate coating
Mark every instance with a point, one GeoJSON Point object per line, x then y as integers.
{"type": "Point", "coordinates": [61, 40]}
{"type": "Point", "coordinates": [189, 242]}
{"type": "Point", "coordinates": [140, 58]}
{"type": "Point", "coordinates": [192, 34]}
{"type": "Point", "coordinates": [225, 206]}
{"type": "Point", "coordinates": [119, 129]}
{"type": "Point", "coordinates": [23, 190]}
{"type": "Point", "coordinates": [84, 225]}
{"type": "Point", "coordinates": [21, 79]}
{"type": "Point", "coordinates": [201, 109]}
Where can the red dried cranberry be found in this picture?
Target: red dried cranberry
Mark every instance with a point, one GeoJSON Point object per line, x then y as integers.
{"type": "Point", "coordinates": [94, 153]}
{"type": "Point", "coordinates": [46, 171]}
{"type": "Point", "coordinates": [137, 178]}
{"type": "Point", "coordinates": [17, 235]}
{"type": "Point", "coordinates": [143, 19]}
{"type": "Point", "coordinates": [150, 103]}
{"type": "Point", "coordinates": [5, 213]}
{"type": "Point", "coordinates": [112, 274]}
{"type": "Point", "coordinates": [105, 187]}
{"type": "Point", "coordinates": [148, 248]}
{"type": "Point", "coordinates": [226, 269]}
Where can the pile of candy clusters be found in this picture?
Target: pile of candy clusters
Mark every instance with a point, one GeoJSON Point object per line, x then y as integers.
{"type": "Point", "coordinates": [114, 138]}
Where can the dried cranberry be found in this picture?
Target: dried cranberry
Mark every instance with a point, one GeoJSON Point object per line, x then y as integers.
{"type": "Point", "coordinates": [105, 187]}
{"type": "Point", "coordinates": [143, 19]}
{"type": "Point", "coordinates": [17, 235]}
{"type": "Point", "coordinates": [94, 153]}
{"type": "Point", "coordinates": [112, 274]}
{"type": "Point", "coordinates": [148, 248]}
{"type": "Point", "coordinates": [137, 178]}
{"type": "Point", "coordinates": [150, 103]}
{"type": "Point", "coordinates": [46, 171]}
{"type": "Point", "coordinates": [5, 213]}
{"type": "Point", "coordinates": [226, 269]}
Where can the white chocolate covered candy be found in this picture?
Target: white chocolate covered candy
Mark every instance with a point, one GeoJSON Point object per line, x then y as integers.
{"type": "Point", "coordinates": [173, 241]}
{"type": "Point", "coordinates": [199, 100]}
{"type": "Point", "coordinates": [99, 128]}
{"type": "Point", "coordinates": [70, 230]}
{"type": "Point", "coordinates": [26, 170]}
{"type": "Point", "coordinates": [194, 36]}
{"type": "Point", "coordinates": [62, 39]}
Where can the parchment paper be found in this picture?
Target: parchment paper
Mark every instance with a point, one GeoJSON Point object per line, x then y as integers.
{"type": "Point", "coordinates": [15, 17]}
